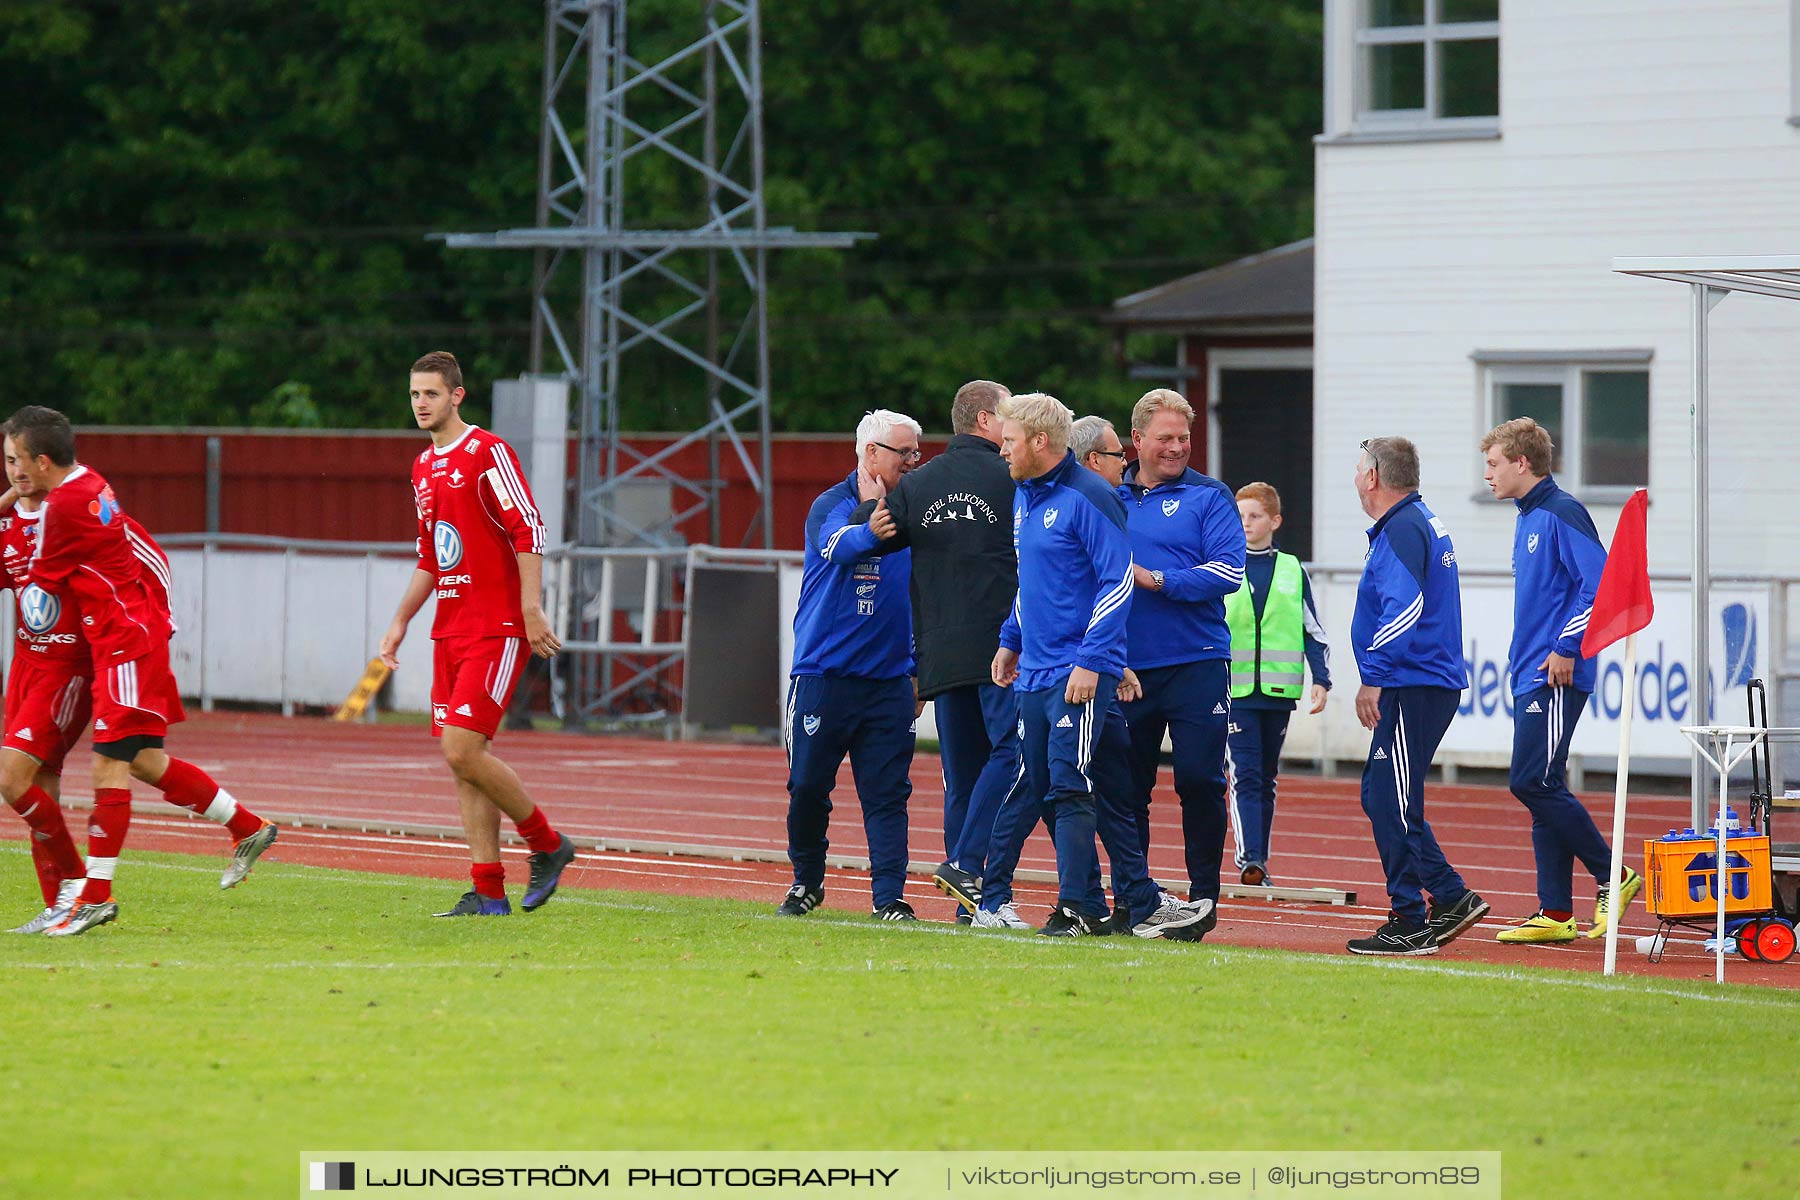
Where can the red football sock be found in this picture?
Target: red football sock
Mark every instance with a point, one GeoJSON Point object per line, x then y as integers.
{"type": "Point", "coordinates": [1559, 914]}
{"type": "Point", "coordinates": [189, 787]}
{"type": "Point", "coordinates": [490, 880]}
{"type": "Point", "coordinates": [106, 837]}
{"type": "Point", "coordinates": [45, 817]}
{"type": "Point", "coordinates": [49, 882]}
{"type": "Point", "coordinates": [537, 833]}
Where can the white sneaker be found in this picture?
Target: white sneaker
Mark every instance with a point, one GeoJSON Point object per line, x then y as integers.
{"type": "Point", "coordinates": [1171, 914]}
{"type": "Point", "coordinates": [1006, 917]}
{"type": "Point", "coordinates": [65, 900]}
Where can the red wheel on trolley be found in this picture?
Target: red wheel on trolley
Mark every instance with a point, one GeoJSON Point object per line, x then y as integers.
{"type": "Point", "coordinates": [1775, 941]}
{"type": "Point", "coordinates": [1746, 939]}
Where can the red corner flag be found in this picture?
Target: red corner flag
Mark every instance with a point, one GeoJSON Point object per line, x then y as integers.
{"type": "Point", "coordinates": [1622, 604]}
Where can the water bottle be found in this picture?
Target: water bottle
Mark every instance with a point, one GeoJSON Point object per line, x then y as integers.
{"type": "Point", "coordinates": [1737, 872]}
{"type": "Point", "coordinates": [1703, 876]}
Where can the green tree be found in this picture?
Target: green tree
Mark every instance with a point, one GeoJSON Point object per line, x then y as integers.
{"type": "Point", "coordinates": [217, 211]}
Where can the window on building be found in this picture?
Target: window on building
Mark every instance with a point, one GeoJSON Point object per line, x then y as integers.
{"type": "Point", "coordinates": [1428, 63]}
{"type": "Point", "coordinates": [1596, 407]}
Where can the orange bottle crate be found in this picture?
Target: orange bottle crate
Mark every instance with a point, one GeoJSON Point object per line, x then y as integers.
{"type": "Point", "coordinates": [1680, 879]}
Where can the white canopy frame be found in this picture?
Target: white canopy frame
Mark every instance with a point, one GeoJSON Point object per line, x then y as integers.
{"type": "Point", "coordinates": [1711, 278]}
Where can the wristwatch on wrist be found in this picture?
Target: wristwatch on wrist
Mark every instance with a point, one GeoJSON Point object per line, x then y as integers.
{"type": "Point", "coordinates": [1156, 577]}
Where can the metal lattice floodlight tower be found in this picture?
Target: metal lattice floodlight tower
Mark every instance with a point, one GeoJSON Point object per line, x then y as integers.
{"type": "Point", "coordinates": [652, 237]}
{"type": "Point", "coordinates": [1710, 278]}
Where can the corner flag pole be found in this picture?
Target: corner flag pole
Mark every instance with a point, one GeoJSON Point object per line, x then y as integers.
{"type": "Point", "coordinates": [1621, 776]}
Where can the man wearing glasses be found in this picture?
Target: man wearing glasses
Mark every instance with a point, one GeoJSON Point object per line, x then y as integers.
{"type": "Point", "coordinates": [1097, 447]}
{"type": "Point", "coordinates": [1407, 635]}
{"type": "Point", "coordinates": [955, 515]}
{"type": "Point", "coordinates": [852, 690]}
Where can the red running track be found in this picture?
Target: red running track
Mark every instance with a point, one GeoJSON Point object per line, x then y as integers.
{"type": "Point", "coordinates": [636, 791]}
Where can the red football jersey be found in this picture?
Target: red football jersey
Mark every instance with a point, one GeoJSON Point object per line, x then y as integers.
{"type": "Point", "coordinates": [84, 552]}
{"type": "Point", "coordinates": [476, 516]}
{"type": "Point", "coordinates": [153, 569]}
{"type": "Point", "coordinates": [48, 628]}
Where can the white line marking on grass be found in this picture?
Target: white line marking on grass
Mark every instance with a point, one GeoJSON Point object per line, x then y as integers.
{"type": "Point", "coordinates": [1636, 985]}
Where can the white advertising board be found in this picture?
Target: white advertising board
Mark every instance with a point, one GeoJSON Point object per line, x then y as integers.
{"type": "Point", "coordinates": [1662, 691]}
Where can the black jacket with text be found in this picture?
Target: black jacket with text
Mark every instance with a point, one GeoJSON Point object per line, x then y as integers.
{"type": "Point", "coordinates": [955, 512]}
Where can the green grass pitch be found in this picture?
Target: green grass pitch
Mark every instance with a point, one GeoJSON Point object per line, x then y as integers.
{"type": "Point", "coordinates": [195, 1047]}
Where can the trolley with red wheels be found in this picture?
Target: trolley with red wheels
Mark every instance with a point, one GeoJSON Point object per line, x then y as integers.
{"type": "Point", "coordinates": [1766, 939]}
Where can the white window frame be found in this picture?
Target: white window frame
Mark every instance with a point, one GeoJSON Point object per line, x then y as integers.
{"type": "Point", "coordinates": [1566, 368]}
{"type": "Point", "coordinates": [1347, 76]}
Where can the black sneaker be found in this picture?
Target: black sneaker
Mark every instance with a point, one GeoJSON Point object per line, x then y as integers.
{"type": "Point", "coordinates": [894, 910]}
{"type": "Point", "coordinates": [546, 873]}
{"type": "Point", "coordinates": [474, 904]}
{"type": "Point", "coordinates": [1448, 924]}
{"type": "Point", "coordinates": [1254, 875]}
{"type": "Point", "coordinates": [1119, 924]}
{"type": "Point", "coordinates": [959, 885]}
{"type": "Point", "coordinates": [800, 901]}
{"type": "Point", "coordinates": [1396, 937]}
{"type": "Point", "coordinates": [1069, 921]}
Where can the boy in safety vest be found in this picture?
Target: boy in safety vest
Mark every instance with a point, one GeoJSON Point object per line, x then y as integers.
{"type": "Point", "coordinates": [1275, 636]}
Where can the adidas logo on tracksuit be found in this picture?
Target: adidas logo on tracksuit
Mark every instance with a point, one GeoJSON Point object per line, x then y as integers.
{"type": "Point", "coordinates": [1380, 755]}
{"type": "Point", "coordinates": [1064, 723]}
{"type": "Point", "coordinates": [1534, 707]}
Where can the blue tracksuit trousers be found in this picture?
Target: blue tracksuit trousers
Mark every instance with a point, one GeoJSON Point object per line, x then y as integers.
{"type": "Point", "coordinates": [871, 720]}
{"type": "Point", "coordinates": [978, 742]}
{"type": "Point", "coordinates": [1192, 702]}
{"type": "Point", "coordinates": [1077, 757]}
{"type": "Point", "coordinates": [1255, 739]}
{"type": "Point", "coordinates": [1413, 722]}
{"type": "Point", "coordinates": [1561, 829]}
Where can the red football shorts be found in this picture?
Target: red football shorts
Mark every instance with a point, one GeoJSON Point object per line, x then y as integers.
{"type": "Point", "coordinates": [137, 698]}
{"type": "Point", "coordinates": [472, 681]}
{"type": "Point", "coordinates": [47, 708]}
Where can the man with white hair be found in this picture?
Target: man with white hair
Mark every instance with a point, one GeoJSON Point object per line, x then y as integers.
{"type": "Point", "coordinates": [851, 690]}
{"type": "Point", "coordinates": [1063, 649]}
{"type": "Point", "coordinates": [1096, 446]}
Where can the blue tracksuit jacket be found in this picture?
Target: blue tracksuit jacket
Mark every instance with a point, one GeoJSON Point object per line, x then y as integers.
{"type": "Point", "coordinates": [1074, 577]}
{"type": "Point", "coordinates": [1189, 530]}
{"type": "Point", "coordinates": [1557, 557]}
{"type": "Point", "coordinates": [1407, 630]}
{"type": "Point", "coordinates": [855, 612]}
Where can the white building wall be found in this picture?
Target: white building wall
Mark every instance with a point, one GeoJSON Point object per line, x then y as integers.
{"type": "Point", "coordinates": [1629, 127]}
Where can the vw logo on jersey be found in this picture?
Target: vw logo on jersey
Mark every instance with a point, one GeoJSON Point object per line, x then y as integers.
{"type": "Point", "coordinates": [39, 609]}
{"type": "Point", "coordinates": [1049, 517]}
{"type": "Point", "coordinates": [449, 545]}
{"type": "Point", "coordinates": [1170, 507]}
